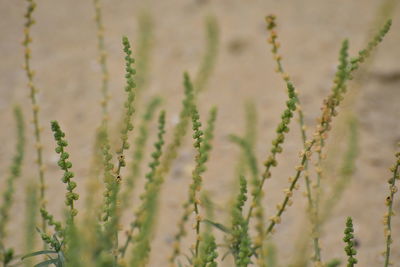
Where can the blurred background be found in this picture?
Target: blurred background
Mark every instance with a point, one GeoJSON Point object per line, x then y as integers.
{"type": "Point", "coordinates": [65, 58]}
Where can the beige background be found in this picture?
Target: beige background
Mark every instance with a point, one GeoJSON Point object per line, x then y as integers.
{"type": "Point", "coordinates": [311, 31]}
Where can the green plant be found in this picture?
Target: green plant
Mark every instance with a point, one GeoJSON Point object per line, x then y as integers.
{"type": "Point", "coordinates": [65, 165]}
{"type": "Point", "coordinates": [240, 243]}
{"type": "Point", "coordinates": [31, 204]}
{"type": "Point", "coordinates": [102, 59]}
{"type": "Point", "coordinates": [147, 211]}
{"type": "Point", "coordinates": [7, 254]}
{"type": "Point", "coordinates": [139, 148]}
{"type": "Point", "coordinates": [387, 219]}
{"type": "Point", "coordinates": [95, 237]}
{"type": "Point", "coordinates": [349, 240]}
{"type": "Point", "coordinates": [203, 146]}
{"type": "Point", "coordinates": [30, 74]}
{"type": "Point", "coordinates": [210, 55]}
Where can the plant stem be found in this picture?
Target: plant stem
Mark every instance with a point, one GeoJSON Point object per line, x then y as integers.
{"type": "Point", "coordinates": [390, 213]}
{"type": "Point", "coordinates": [35, 107]}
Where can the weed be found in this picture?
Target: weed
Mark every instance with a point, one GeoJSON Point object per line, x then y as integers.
{"type": "Point", "coordinates": [94, 237]}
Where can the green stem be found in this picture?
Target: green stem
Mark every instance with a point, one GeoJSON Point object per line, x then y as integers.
{"type": "Point", "coordinates": [392, 183]}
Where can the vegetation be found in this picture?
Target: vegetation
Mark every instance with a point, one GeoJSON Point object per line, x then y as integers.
{"type": "Point", "coordinates": [93, 234]}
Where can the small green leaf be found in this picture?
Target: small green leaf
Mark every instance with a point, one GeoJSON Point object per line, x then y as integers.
{"type": "Point", "coordinates": [47, 263]}
{"type": "Point", "coordinates": [226, 254]}
{"type": "Point", "coordinates": [41, 252]}
{"type": "Point", "coordinates": [61, 259]}
{"type": "Point", "coordinates": [219, 226]}
{"type": "Point", "coordinates": [334, 263]}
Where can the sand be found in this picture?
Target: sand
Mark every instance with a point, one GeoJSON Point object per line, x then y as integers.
{"type": "Point", "coordinates": [65, 59]}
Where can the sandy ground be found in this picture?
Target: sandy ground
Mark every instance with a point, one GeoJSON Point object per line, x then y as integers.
{"type": "Point", "coordinates": [64, 57]}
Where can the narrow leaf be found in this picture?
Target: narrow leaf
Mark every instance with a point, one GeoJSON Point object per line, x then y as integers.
{"type": "Point", "coordinates": [47, 263]}
{"type": "Point", "coordinates": [219, 226]}
{"type": "Point", "coordinates": [41, 252]}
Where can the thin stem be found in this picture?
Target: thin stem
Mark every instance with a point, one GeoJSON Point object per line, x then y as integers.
{"type": "Point", "coordinates": [279, 69]}
{"type": "Point", "coordinates": [390, 213]}
{"type": "Point", "coordinates": [196, 210]}
{"type": "Point", "coordinates": [35, 107]}
{"type": "Point", "coordinates": [289, 193]}
{"type": "Point", "coordinates": [102, 58]}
